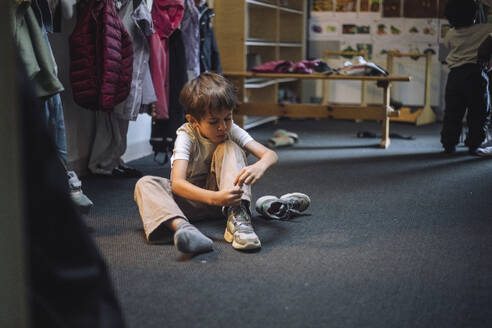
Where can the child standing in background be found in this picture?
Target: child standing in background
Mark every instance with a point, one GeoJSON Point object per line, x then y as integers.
{"type": "Point", "coordinates": [467, 84]}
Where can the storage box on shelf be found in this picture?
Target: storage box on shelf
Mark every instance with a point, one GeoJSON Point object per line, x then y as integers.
{"type": "Point", "coordinates": [265, 31]}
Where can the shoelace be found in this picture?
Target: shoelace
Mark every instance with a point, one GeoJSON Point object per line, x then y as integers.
{"type": "Point", "coordinates": [241, 221]}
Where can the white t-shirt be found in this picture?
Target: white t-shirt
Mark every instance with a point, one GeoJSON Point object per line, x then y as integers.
{"type": "Point", "coordinates": [190, 145]}
{"type": "Point", "coordinates": [463, 44]}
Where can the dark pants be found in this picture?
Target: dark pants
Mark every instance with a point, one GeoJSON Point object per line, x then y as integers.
{"type": "Point", "coordinates": [466, 88]}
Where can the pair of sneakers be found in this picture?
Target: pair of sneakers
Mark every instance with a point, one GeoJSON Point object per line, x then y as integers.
{"type": "Point", "coordinates": [239, 230]}
{"type": "Point", "coordinates": [283, 208]}
{"type": "Point", "coordinates": [282, 138]}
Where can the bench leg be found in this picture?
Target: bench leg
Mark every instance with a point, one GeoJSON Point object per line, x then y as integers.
{"type": "Point", "coordinates": [385, 139]}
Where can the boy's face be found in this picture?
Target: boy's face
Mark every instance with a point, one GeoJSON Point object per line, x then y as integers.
{"type": "Point", "coordinates": [214, 127]}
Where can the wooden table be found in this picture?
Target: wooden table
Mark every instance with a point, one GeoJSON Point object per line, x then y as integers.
{"type": "Point", "coordinates": [381, 112]}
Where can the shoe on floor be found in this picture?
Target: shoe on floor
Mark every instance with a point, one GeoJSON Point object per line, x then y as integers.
{"type": "Point", "coordinates": [299, 202]}
{"type": "Point", "coordinates": [125, 171]}
{"type": "Point", "coordinates": [280, 141]}
{"type": "Point", "coordinates": [79, 198]}
{"type": "Point", "coordinates": [285, 133]}
{"type": "Point", "coordinates": [272, 207]}
{"type": "Point", "coordinates": [282, 208]}
{"type": "Point", "coordinates": [449, 149]}
{"type": "Point", "coordinates": [488, 139]}
{"type": "Point", "coordinates": [473, 151]}
{"type": "Point", "coordinates": [484, 151]}
{"type": "Point", "coordinates": [239, 230]}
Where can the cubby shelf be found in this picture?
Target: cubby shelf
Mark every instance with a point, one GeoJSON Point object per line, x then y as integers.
{"type": "Point", "coordinates": [267, 29]}
{"type": "Point", "coordinates": [256, 83]}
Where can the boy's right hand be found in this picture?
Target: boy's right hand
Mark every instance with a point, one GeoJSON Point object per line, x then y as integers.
{"type": "Point", "coordinates": [228, 197]}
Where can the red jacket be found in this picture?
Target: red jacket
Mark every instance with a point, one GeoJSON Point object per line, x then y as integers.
{"type": "Point", "coordinates": [101, 57]}
{"type": "Point", "coordinates": [166, 16]}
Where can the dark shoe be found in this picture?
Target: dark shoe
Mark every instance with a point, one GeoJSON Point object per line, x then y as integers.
{"type": "Point", "coordinates": [473, 151]}
{"type": "Point", "coordinates": [449, 149]}
{"type": "Point", "coordinates": [125, 171]}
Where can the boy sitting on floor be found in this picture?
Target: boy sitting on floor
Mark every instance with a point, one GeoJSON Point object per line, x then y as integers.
{"type": "Point", "coordinates": [210, 176]}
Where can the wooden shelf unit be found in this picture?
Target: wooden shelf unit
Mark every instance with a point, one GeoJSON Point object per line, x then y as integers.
{"type": "Point", "coordinates": [272, 30]}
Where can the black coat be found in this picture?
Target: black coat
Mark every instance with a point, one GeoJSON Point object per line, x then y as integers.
{"type": "Point", "coordinates": [209, 52]}
{"type": "Point", "coordinates": [163, 131]}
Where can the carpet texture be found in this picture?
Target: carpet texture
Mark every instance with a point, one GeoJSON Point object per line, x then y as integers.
{"type": "Point", "coordinates": [400, 237]}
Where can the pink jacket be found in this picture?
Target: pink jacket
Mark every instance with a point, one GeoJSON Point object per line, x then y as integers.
{"type": "Point", "coordinates": [166, 17]}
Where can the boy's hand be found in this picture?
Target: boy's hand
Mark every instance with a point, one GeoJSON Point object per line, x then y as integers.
{"type": "Point", "coordinates": [228, 197]}
{"type": "Point", "coordinates": [249, 175]}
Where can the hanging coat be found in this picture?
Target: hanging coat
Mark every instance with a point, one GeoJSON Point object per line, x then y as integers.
{"type": "Point", "coordinates": [101, 57]}
{"type": "Point", "coordinates": [191, 37]}
{"type": "Point", "coordinates": [166, 17]}
{"type": "Point", "coordinates": [33, 51]}
{"type": "Point", "coordinates": [209, 51]}
{"type": "Point", "coordinates": [164, 130]}
{"type": "Point", "coordinates": [138, 23]}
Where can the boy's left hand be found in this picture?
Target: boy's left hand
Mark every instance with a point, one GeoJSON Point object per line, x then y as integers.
{"type": "Point", "coordinates": [249, 175]}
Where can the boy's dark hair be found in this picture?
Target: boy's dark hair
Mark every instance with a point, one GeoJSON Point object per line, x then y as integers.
{"type": "Point", "coordinates": [208, 92]}
{"type": "Point", "coordinates": [461, 13]}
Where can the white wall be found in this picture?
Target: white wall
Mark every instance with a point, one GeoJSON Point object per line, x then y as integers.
{"type": "Point", "coordinates": [138, 138]}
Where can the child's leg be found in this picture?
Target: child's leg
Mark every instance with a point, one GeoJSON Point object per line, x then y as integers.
{"type": "Point", "coordinates": [161, 216]}
{"type": "Point", "coordinates": [455, 109]}
{"type": "Point", "coordinates": [156, 205]}
{"type": "Point", "coordinates": [228, 160]}
{"type": "Point", "coordinates": [478, 110]}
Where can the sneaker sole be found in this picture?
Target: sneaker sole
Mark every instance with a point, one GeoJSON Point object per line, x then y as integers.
{"type": "Point", "coordinates": [229, 237]}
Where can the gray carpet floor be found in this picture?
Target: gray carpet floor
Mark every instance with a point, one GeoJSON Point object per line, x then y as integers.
{"type": "Point", "coordinates": [400, 237]}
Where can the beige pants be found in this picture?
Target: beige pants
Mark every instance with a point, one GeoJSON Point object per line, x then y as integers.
{"type": "Point", "coordinates": [109, 143]}
{"type": "Point", "coordinates": [157, 203]}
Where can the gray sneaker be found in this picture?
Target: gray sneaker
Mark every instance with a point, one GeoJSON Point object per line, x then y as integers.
{"type": "Point", "coordinates": [282, 208]}
{"type": "Point", "coordinates": [299, 202]}
{"type": "Point", "coordinates": [239, 230]}
{"type": "Point", "coordinates": [79, 198]}
{"type": "Point", "coordinates": [272, 207]}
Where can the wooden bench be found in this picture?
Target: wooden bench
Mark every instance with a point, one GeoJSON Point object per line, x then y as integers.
{"type": "Point", "coordinates": [381, 112]}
